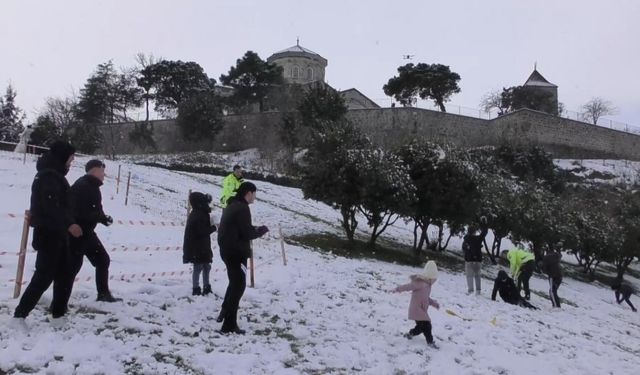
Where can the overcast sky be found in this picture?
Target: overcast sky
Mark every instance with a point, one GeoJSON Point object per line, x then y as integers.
{"type": "Point", "coordinates": [586, 47]}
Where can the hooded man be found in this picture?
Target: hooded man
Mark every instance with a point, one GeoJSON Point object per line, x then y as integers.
{"type": "Point", "coordinates": [52, 221]}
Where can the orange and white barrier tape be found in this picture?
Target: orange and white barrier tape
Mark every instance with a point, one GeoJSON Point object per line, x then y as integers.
{"type": "Point", "coordinates": [150, 223]}
{"type": "Point", "coordinates": [125, 277]}
{"type": "Point", "coordinates": [117, 249]}
{"type": "Point", "coordinates": [158, 223]}
{"type": "Point", "coordinates": [146, 248]}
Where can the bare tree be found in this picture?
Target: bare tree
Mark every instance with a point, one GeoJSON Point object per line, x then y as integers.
{"type": "Point", "coordinates": [145, 61]}
{"type": "Point", "coordinates": [596, 108]}
{"type": "Point", "coordinates": [491, 100]}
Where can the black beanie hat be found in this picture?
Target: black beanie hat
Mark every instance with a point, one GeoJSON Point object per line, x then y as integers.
{"type": "Point", "coordinates": [93, 164]}
{"type": "Point", "coordinates": [61, 150]}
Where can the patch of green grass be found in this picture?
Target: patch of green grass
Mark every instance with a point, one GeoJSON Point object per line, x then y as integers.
{"type": "Point", "coordinates": [386, 250]}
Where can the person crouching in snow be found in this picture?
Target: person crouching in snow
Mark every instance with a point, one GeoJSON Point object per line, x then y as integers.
{"type": "Point", "coordinates": [197, 241]}
{"type": "Point", "coordinates": [505, 285]}
{"type": "Point", "coordinates": [420, 287]}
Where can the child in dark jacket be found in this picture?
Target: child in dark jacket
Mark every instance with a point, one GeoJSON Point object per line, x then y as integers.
{"type": "Point", "coordinates": [551, 266]}
{"type": "Point", "coordinates": [197, 241]}
{"type": "Point", "coordinates": [623, 293]}
{"type": "Point", "coordinates": [420, 287]}
{"type": "Point", "coordinates": [508, 291]}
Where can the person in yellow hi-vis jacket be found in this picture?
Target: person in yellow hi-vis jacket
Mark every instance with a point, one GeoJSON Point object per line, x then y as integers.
{"type": "Point", "coordinates": [230, 184]}
{"type": "Point", "coordinates": [522, 264]}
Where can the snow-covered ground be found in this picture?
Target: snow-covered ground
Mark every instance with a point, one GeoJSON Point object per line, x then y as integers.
{"type": "Point", "coordinates": [319, 314]}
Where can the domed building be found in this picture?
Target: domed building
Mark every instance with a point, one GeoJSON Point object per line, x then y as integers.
{"type": "Point", "coordinates": [300, 65]}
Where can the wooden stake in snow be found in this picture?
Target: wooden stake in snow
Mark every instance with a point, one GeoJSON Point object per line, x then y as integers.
{"type": "Point", "coordinates": [118, 180]}
{"type": "Point", "coordinates": [23, 252]}
{"type": "Point", "coordinates": [188, 204]}
{"type": "Point", "coordinates": [251, 273]}
{"type": "Point", "coordinates": [284, 255]}
{"type": "Point", "coordinates": [126, 198]}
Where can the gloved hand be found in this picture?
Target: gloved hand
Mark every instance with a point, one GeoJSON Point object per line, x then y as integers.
{"type": "Point", "coordinates": [262, 230]}
{"type": "Point", "coordinates": [108, 220]}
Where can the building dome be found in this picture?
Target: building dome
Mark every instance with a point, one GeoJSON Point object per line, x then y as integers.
{"type": "Point", "coordinates": [300, 65]}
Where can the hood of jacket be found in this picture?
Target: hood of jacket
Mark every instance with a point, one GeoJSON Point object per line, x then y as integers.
{"type": "Point", "coordinates": [200, 201]}
{"type": "Point", "coordinates": [502, 275]}
{"type": "Point", "coordinates": [48, 161]}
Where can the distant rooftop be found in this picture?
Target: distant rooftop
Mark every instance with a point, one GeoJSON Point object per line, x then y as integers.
{"type": "Point", "coordinates": [536, 79]}
{"type": "Point", "coordinates": [297, 48]}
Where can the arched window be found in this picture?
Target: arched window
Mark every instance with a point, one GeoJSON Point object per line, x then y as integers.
{"type": "Point", "coordinates": [310, 74]}
{"type": "Point", "coordinates": [295, 72]}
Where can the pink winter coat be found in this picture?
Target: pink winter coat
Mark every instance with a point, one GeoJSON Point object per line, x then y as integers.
{"type": "Point", "coordinates": [420, 297]}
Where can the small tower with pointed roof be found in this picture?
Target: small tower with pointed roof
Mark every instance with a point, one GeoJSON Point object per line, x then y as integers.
{"type": "Point", "coordinates": [299, 64]}
{"type": "Point", "coordinates": [537, 82]}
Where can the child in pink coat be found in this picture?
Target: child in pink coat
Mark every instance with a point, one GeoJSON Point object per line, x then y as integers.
{"type": "Point", "coordinates": [420, 287]}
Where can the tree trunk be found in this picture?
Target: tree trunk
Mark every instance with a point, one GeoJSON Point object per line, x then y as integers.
{"type": "Point", "coordinates": [415, 237]}
{"type": "Point", "coordinates": [490, 252]}
{"type": "Point", "coordinates": [349, 222]}
{"type": "Point", "coordinates": [440, 233]}
{"type": "Point", "coordinates": [446, 243]}
{"type": "Point", "coordinates": [441, 105]}
{"type": "Point", "coordinates": [147, 106]}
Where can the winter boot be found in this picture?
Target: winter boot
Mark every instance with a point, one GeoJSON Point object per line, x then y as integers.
{"type": "Point", "coordinates": [107, 297]}
{"type": "Point", "coordinates": [196, 291]}
{"type": "Point", "coordinates": [206, 290]}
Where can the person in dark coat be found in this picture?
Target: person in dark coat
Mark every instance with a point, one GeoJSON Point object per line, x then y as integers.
{"type": "Point", "coordinates": [52, 222]}
{"type": "Point", "coordinates": [197, 241]}
{"type": "Point", "coordinates": [551, 267]}
{"type": "Point", "coordinates": [623, 292]}
{"type": "Point", "coordinates": [472, 248]}
{"type": "Point", "coordinates": [87, 209]}
{"type": "Point", "coordinates": [509, 293]}
{"type": "Point", "coordinates": [234, 236]}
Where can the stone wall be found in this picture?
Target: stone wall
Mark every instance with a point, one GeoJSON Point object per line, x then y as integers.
{"type": "Point", "coordinates": [391, 127]}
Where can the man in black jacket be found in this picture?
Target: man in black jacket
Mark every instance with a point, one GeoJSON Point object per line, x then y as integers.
{"type": "Point", "coordinates": [52, 222]}
{"type": "Point", "coordinates": [551, 266]}
{"type": "Point", "coordinates": [472, 248]}
{"type": "Point", "coordinates": [508, 291]}
{"type": "Point", "coordinates": [234, 236]}
{"type": "Point", "coordinates": [623, 292]}
{"type": "Point", "coordinates": [87, 209]}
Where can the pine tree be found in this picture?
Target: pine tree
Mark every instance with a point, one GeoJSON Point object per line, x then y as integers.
{"type": "Point", "coordinates": [11, 117]}
{"type": "Point", "coordinates": [252, 78]}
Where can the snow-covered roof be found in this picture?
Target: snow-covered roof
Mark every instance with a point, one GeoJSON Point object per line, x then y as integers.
{"type": "Point", "coordinates": [536, 79]}
{"type": "Point", "coordinates": [297, 48]}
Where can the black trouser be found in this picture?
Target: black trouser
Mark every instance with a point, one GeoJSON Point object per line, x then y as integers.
{"type": "Point", "coordinates": [52, 265]}
{"type": "Point", "coordinates": [526, 271]}
{"type": "Point", "coordinates": [90, 246]}
{"type": "Point", "coordinates": [624, 298]}
{"type": "Point", "coordinates": [422, 326]}
{"type": "Point", "coordinates": [554, 284]}
{"type": "Point", "coordinates": [237, 274]}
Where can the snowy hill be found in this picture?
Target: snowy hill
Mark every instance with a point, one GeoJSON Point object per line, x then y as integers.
{"type": "Point", "coordinates": [319, 314]}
